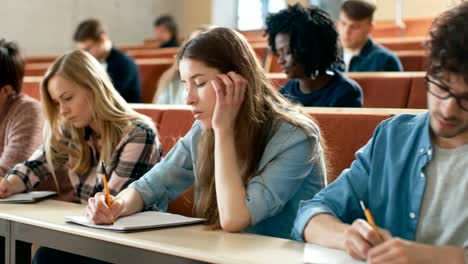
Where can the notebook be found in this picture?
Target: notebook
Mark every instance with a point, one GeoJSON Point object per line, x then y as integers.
{"type": "Point", "coordinates": [30, 197]}
{"type": "Point", "coordinates": [315, 254]}
{"type": "Point", "coordinates": [139, 221]}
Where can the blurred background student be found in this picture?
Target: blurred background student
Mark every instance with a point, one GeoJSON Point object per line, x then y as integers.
{"type": "Point", "coordinates": [21, 118]}
{"type": "Point", "coordinates": [170, 89]}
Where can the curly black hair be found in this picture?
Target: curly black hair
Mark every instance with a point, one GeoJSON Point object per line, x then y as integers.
{"type": "Point", "coordinates": [313, 36]}
{"type": "Point", "coordinates": [448, 43]}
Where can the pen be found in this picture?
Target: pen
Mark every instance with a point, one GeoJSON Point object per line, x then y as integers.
{"type": "Point", "coordinates": [370, 219]}
{"type": "Point", "coordinates": [106, 186]}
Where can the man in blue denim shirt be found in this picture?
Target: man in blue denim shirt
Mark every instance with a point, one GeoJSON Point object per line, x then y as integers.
{"type": "Point", "coordinates": [360, 53]}
{"type": "Point", "coordinates": [411, 175]}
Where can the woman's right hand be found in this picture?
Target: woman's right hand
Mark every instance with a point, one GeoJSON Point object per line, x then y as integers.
{"type": "Point", "coordinates": [11, 185]}
{"type": "Point", "coordinates": [99, 213]}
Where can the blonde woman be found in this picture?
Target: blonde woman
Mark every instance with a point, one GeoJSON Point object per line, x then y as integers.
{"type": "Point", "coordinates": [86, 121]}
{"type": "Point", "coordinates": [170, 89]}
{"type": "Point", "coordinates": [251, 155]}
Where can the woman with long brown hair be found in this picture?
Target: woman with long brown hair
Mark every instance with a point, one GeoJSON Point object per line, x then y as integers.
{"type": "Point", "coordinates": [251, 155]}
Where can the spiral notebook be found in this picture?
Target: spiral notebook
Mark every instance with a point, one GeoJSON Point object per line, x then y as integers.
{"type": "Point", "coordinates": [30, 197]}
{"type": "Point", "coordinates": [140, 221]}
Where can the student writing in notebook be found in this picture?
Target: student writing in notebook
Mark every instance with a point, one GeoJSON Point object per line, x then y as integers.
{"type": "Point", "coordinates": [250, 155]}
{"type": "Point", "coordinates": [87, 121]}
{"type": "Point", "coordinates": [412, 174]}
{"type": "Point", "coordinates": [21, 119]}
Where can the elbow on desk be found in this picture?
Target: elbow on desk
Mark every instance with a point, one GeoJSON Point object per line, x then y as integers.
{"type": "Point", "coordinates": [234, 223]}
{"type": "Point", "coordinates": [231, 226]}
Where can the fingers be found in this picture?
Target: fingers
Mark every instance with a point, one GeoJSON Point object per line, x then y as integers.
{"type": "Point", "coordinates": [367, 232]}
{"type": "Point", "coordinates": [5, 187]}
{"type": "Point", "coordinates": [387, 250]}
{"type": "Point", "coordinates": [356, 246]}
{"type": "Point", "coordinates": [217, 86]}
{"type": "Point", "coordinates": [228, 85]}
{"type": "Point", "coordinates": [240, 85]}
{"type": "Point", "coordinates": [97, 210]}
{"type": "Point", "coordinates": [116, 208]}
{"type": "Point", "coordinates": [234, 85]}
{"type": "Point", "coordinates": [386, 235]}
{"type": "Point", "coordinates": [360, 237]}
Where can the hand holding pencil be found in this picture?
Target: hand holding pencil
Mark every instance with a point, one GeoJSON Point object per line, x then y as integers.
{"type": "Point", "coordinates": [103, 208]}
{"type": "Point", "coordinates": [106, 185]}
{"type": "Point", "coordinates": [363, 235]}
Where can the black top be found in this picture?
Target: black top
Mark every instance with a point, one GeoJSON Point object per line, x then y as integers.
{"type": "Point", "coordinates": [340, 91]}
{"type": "Point", "coordinates": [125, 75]}
{"type": "Point", "coordinates": [374, 57]}
{"type": "Point", "coordinates": [170, 44]}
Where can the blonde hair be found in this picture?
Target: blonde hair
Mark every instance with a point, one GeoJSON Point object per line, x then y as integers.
{"type": "Point", "coordinates": [226, 50]}
{"type": "Point", "coordinates": [64, 143]}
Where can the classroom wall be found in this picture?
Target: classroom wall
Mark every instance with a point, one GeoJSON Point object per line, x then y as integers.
{"type": "Point", "coordinates": [195, 13]}
{"type": "Point", "coordinates": [224, 13]}
{"type": "Point", "coordinates": [303, 2]}
{"type": "Point", "coordinates": [412, 8]}
{"type": "Point", "coordinates": [47, 26]}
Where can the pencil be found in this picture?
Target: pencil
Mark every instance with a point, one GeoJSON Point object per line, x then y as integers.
{"type": "Point", "coordinates": [106, 186]}
{"type": "Point", "coordinates": [370, 219]}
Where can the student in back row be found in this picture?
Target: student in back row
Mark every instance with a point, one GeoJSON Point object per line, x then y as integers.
{"type": "Point", "coordinates": [306, 43]}
{"type": "Point", "coordinates": [21, 119]}
{"type": "Point", "coordinates": [412, 174]}
{"type": "Point", "coordinates": [360, 53]}
{"type": "Point", "coordinates": [166, 33]}
{"type": "Point", "coordinates": [91, 36]}
{"type": "Point", "coordinates": [170, 89]}
{"type": "Point", "coordinates": [250, 155]}
{"type": "Point", "coordinates": [87, 121]}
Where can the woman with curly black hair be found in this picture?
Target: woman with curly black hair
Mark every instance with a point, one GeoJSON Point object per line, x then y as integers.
{"type": "Point", "coordinates": [306, 43]}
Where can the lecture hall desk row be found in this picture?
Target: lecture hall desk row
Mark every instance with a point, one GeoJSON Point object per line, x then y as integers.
{"type": "Point", "coordinates": [139, 51]}
{"type": "Point", "coordinates": [380, 89]}
{"type": "Point", "coordinates": [43, 223]}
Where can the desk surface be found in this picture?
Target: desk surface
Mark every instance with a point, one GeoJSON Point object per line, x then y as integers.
{"type": "Point", "coordinates": [191, 242]}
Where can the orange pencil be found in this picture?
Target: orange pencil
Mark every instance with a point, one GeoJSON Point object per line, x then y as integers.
{"type": "Point", "coordinates": [370, 219]}
{"type": "Point", "coordinates": [106, 186]}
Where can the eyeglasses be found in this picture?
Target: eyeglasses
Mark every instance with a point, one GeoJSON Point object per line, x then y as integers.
{"type": "Point", "coordinates": [443, 92]}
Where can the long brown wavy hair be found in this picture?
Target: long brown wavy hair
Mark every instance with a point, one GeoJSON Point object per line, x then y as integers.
{"type": "Point", "coordinates": [227, 50]}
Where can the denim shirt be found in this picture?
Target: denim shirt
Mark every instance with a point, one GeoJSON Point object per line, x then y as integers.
{"type": "Point", "coordinates": [388, 175]}
{"type": "Point", "coordinates": [291, 169]}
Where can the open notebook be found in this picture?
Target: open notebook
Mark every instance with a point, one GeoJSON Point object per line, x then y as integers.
{"type": "Point", "coordinates": [29, 197]}
{"type": "Point", "coordinates": [139, 221]}
{"type": "Point", "coordinates": [315, 254]}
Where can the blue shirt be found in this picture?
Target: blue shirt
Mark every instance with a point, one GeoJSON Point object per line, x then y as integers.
{"type": "Point", "coordinates": [340, 91]}
{"type": "Point", "coordinates": [124, 75]}
{"type": "Point", "coordinates": [287, 176]}
{"type": "Point", "coordinates": [388, 174]}
{"type": "Point", "coordinates": [373, 57]}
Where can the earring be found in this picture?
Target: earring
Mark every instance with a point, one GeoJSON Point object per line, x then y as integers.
{"type": "Point", "coordinates": [314, 75]}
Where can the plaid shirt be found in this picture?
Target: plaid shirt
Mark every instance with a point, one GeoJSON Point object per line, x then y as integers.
{"type": "Point", "coordinates": [137, 152]}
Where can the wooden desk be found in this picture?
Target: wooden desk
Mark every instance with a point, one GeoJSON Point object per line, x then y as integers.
{"type": "Point", "coordinates": [43, 224]}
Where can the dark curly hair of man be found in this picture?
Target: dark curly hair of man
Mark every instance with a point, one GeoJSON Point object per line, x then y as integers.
{"type": "Point", "coordinates": [313, 36]}
{"type": "Point", "coordinates": [448, 43]}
